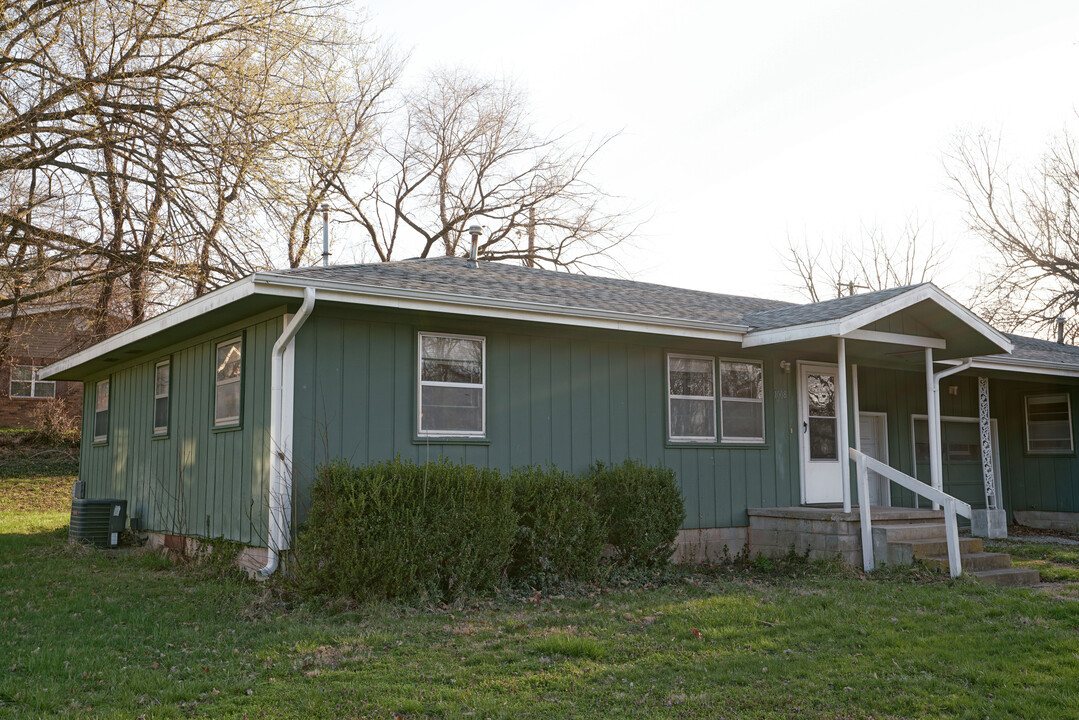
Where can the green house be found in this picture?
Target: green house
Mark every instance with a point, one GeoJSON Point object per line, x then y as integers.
{"type": "Point", "coordinates": [212, 418]}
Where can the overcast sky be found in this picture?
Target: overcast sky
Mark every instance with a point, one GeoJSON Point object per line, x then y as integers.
{"type": "Point", "coordinates": [743, 123]}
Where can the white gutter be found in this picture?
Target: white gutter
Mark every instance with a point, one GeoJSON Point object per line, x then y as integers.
{"type": "Point", "coordinates": [282, 377]}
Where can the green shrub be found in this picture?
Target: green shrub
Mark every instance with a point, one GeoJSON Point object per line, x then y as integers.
{"type": "Point", "coordinates": [560, 535]}
{"type": "Point", "coordinates": [643, 509]}
{"type": "Point", "coordinates": [401, 530]}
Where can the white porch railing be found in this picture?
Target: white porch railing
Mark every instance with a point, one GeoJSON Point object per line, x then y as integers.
{"type": "Point", "coordinates": [952, 507]}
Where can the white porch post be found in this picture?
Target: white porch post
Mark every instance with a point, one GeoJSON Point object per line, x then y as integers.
{"type": "Point", "coordinates": [993, 521]}
{"type": "Point", "coordinates": [933, 401]}
{"type": "Point", "coordinates": [843, 441]}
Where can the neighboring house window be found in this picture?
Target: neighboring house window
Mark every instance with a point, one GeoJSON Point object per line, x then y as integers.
{"type": "Point", "coordinates": [1049, 424]}
{"type": "Point", "coordinates": [741, 389]}
{"type": "Point", "coordinates": [24, 383]}
{"type": "Point", "coordinates": [101, 411]}
{"type": "Point", "coordinates": [691, 398]}
{"type": "Point", "coordinates": [161, 398]}
{"type": "Point", "coordinates": [228, 369]}
{"type": "Point", "coordinates": [452, 374]}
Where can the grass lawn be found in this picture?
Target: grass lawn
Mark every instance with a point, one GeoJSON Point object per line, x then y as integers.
{"type": "Point", "coordinates": [132, 634]}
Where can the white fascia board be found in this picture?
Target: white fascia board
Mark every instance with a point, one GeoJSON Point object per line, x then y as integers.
{"type": "Point", "coordinates": [897, 339]}
{"type": "Point", "coordinates": [188, 311]}
{"type": "Point", "coordinates": [855, 321]}
{"type": "Point", "coordinates": [1032, 367]}
{"type": "Point", "coordinates": [484, 307]}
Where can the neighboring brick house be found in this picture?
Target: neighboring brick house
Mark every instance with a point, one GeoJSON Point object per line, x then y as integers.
{"type": "Point", "coordinates": [40, 336]}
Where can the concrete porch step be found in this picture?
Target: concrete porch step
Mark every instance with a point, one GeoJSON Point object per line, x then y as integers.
{"type": "Point", "coordinates": [905, 551]}
{"type": "Point", "coordinates": [972, 562]}
{"type": "Point", "coordinates": [1010, 577]}
{"type": "Point", "coordinates": [915, 531]}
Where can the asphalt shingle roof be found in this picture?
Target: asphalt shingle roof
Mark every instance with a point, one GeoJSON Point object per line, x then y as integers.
{"type": "Point", "coordinates": [513, 282]}
{"type": "Point", "coordinates": [1041, 350]}
{"type": "Point", "coordinates": [820, 311]}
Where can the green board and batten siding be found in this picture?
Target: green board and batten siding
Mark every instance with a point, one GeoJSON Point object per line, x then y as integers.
{"type": "Point", "coordinates": [559, 395]}
{"type": "Point", "coordinates": [195, 481]}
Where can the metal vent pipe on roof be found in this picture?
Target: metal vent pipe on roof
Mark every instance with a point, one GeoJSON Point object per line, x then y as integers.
{"type": "Point", "coordinates": [1060, 329]}
{"type": "Point", "coordinates": [475, 231]}
{"type": "Point", "coordinates": [325, 234]}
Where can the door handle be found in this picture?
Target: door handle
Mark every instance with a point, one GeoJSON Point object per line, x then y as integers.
{"type": "Point", "coordinates": [805, 427]}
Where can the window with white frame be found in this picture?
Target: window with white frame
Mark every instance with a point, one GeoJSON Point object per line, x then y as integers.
{"type": "Point", "coordinates": [1049, 423]}
{"type": "Point", "coordinates": [24, 383]}
{"type": "Point", "coordinates": [741, 389]}
{"type": "Point", "coordinates": [161, 397]}
{"type": "Point", "coordinates": [452, 375]}
{"type": "Point", "coordinates": [691, 398]}
{"type": "Point", "coordinates": [227, 374]}
{"type": "Point", "coordinates": [101, 411]}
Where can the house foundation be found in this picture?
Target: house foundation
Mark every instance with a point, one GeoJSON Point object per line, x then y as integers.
{"type": "Point", "coordinates": [1044, 520]}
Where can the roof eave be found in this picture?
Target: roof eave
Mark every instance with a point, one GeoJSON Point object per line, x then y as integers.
{"type": "Point", "coordinates": [840, 327]}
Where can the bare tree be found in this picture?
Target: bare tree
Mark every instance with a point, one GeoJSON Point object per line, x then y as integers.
{"type": "Point", "coordinates": [1030, 218]}
{"type": "Point", "coordinates": [874, 262]}
{"type": "Point", "coordinates": [461, 150]}
{"type": "Point", "coordinates": [148, 144]}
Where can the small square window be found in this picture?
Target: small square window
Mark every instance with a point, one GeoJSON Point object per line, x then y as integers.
{"type": "Point", "coordinates": [1049, 424]}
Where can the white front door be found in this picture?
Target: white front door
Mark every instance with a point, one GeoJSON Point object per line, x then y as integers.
{"type": "Point", "coordinates": [873, 430]}
{"type": "Point", "coordinates": [821, 478]}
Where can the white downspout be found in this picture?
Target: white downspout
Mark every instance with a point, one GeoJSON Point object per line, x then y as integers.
{"type": "Point", "coordinates": [282, 376]}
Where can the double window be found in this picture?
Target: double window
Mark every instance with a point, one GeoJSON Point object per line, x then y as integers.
{"type": "Point", "coordinates": [692, 396]}
{"type": "Point", "coordinates": [227, 375]}
{"type": "Point", "coordinates": [24, 383]}
{"type": "Point", "coordinates": [452, 377]}
{"type": "Point", "coordinates": [101, 411]}
{"type": "Point", "coordinates": [1049, 424]}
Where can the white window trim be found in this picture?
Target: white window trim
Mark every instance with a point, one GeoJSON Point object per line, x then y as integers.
{"type": "Point", "coordinates": [1026, 424]}
{"type": "Point", "coordinates": [758, 401]}
{"type": "Point", "coordinates": [34, 382]}
{"type": "Point", "coordinates": [420, 382]}
{"type": "Point", "coordinates": [670, 417]}
{"type": "Point", "coordinates": [108, 405]}
{"type": "Point", "coordinates": [163, 430]}
{"type": "Point", "coordinates": [232, 419]}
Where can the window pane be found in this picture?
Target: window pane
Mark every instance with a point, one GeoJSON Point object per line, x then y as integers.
{"type": "Point", "coordinates": [101, 423]}
{"type": "Point", "coordinates": [161, 380]}
{"type": "Point", "coordinates": [691, 376]}
{"type": "Point", "coordinates": [447, 359]}
{"type": "Point", "coordinates": [45, 389]}
{"type": "Point", "coordinates": [20, 389]}
{"type": "Point", "coordinates": [743, 420]}
{"type": "Point", "coordinates": [161, 413]}
{"type": "Point", "coordinates": [227, 403]}
{"type": "Point", "coordinates": [822, 444]}
{"type": "Point", "coordinates": [22, 373]}
{"type": "Point", "coordinates": [693, 419]}
{"type": "Point", "coordinates": [1049, 424]}
{"type": "Point", "coordinates": [451, 409]}
{"type": "Point", "coordinates": [228, 361]}
{"type": "Point", "coordinates": [821, 394]}
{"type": "Point", "coordinates": [742, 380]}
{"type": "Point", "coordinates": [102, 398]}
